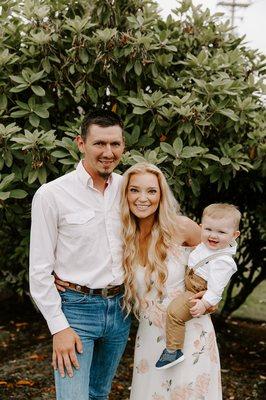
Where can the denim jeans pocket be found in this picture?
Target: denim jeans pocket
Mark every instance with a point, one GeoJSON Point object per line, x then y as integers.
{"type": "Point", "coordinates": [72, 297]}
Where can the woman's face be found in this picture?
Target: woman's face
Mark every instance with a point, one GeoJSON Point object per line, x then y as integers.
{"type": "Point", "coordinates": [143, 194]}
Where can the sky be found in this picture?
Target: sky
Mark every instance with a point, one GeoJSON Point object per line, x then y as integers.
{"type": "Point", "coordinates": [249, 21]}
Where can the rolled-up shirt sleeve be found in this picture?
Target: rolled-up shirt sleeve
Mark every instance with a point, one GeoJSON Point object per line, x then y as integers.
{"type": "Point", "coordinates": [219, 274]}
{"type": "Point", "coordinates": [42, 259]}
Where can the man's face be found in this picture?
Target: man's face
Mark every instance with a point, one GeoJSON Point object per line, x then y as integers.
{"type": "Point", "coordinates": [102, 149]}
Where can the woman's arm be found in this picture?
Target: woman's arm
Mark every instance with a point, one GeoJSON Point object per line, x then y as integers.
{"type": "Point", "coordinates": [190, 231]}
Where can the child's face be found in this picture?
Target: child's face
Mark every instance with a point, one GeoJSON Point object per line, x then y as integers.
{"type": "Point", "coordinates": [218, 233]}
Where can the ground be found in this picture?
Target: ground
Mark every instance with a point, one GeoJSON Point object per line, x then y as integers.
{"type": "Point", "coordinates": [25, 352]}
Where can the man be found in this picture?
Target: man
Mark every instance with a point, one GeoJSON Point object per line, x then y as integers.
{"type": "Point", "coordinates": [76, 234]}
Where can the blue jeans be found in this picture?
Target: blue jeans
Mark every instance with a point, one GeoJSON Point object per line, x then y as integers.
{"type": "Point", "coordinates": [103, 330]}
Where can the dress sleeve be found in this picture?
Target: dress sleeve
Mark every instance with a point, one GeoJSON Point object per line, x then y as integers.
{"type": "Point", "coordinates": [42, 260]}
{"type": "Point", "coordinates": [219, 274]}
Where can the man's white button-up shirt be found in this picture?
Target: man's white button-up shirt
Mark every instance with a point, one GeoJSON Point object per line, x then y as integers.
{"type": "Point", "coordinates": [75, 232]}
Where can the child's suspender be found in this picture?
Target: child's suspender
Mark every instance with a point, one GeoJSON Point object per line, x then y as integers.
{"type": "Point", "coordinates": [210, 258]}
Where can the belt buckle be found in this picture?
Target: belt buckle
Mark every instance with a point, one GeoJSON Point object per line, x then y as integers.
{"type": "Point", "coordinates": [105, 292]}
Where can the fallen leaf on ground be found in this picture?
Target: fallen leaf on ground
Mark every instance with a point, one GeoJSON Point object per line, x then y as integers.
{"type": "Point", "coordinates": [37, 357]}
{"type": "Point", "coordinates": [24, 382]}
{"type": "Point", "coordinates": [21, 324]}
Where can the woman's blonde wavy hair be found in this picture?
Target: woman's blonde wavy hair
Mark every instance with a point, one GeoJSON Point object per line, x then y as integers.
{"type": "Point", "coordinates": [164, 236]}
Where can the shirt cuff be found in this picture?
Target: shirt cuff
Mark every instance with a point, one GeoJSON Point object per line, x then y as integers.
{"type": "Point", "coordinates": [211, 298]}
{"type": "Point", "coordinates": [57, 324]}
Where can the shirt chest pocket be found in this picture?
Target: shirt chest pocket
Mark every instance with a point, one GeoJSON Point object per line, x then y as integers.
{"type": "Point", "coordinates": [79, 224]}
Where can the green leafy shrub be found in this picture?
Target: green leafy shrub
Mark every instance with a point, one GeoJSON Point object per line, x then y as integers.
{"type": "Point", "coordinates": [189, 91]}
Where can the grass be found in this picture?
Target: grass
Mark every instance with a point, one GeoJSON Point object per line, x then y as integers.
{"type": "Point", "coordinates": [254, 307]}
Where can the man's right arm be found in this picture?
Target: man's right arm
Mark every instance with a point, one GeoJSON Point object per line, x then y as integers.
{"type": "Point", "coordinates": [44, 231]}
{"type": "Point", "coordinates": [43, 242]}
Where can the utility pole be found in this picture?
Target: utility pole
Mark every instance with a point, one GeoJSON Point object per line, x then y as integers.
{"type": "Point", "coordinates": [233, 4]}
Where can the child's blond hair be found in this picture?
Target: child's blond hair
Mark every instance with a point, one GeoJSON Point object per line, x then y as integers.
{"type": "Point", "coordinates": [221, 210]}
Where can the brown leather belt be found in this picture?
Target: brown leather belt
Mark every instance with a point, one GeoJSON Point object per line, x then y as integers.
{"type": "Point", "coordinates": [106, 292]}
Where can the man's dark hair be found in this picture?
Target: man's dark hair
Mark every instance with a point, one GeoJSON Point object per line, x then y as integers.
{"type": "Point", "coordinates": [99, 117]}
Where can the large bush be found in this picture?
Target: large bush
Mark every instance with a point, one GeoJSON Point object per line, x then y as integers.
{"type": "Point", "coordinates": [190, 93]}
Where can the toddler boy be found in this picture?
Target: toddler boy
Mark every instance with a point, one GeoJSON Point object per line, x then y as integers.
{"type": "Point", "coordinates": [210, 267]}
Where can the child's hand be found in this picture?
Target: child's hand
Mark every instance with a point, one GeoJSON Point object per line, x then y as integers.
{"type": "Point", "coordinates": [198, 309]}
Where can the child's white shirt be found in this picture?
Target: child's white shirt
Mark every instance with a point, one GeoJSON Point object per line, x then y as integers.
{"type": "Point", "coordinates": [216, 272]}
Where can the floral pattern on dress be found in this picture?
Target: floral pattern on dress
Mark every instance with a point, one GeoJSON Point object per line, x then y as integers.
{"type": "Point", "coordinates": [143, 366]}
{"type": "Point", "coordinates": [193, 390]}
{"type": "Point", "coordinates": [155, 313]}
{"type": "Point", "coordinates": [167, 384]}
{"type": "Point", "coordinates": [211, 346]}
{"type": "Point", "coordinates": [183, 392]}
{"type": "Point", "coordinates": [201, 386]}
{"type": "Point", "coordinates": [200, 346]}
{"type": "Point", "coordinates": [157, 396]}
{"type": "Point", "coordinates": [198, 376]}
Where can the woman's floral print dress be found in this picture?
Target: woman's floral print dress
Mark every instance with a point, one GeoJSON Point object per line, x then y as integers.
{"type": "Point", "coordinates": [198, 376]}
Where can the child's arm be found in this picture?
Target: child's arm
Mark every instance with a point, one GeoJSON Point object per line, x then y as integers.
{"type": "Point", "coordinates": [219, 274]}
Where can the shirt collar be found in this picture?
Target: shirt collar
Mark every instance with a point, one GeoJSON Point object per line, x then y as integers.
{"type": "Point", "coordinates": [230, 249]}
{"type": "Point", "coordinates": [86, 179]}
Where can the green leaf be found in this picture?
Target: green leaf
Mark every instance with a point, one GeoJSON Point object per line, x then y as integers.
{"type": "Point", "coordinates": [136, 101]}
{"type": "Point", "coordinates": [3, 101]}
{"type": "Point", "coordinates": [8, 158]}
{"type": "Point", "coordinates": [33, 175]}
{"type": "Point", "coordinates": [225, 161]}
{"type": "Point", "coordinates": [66, 161]}
{"type": "Point", "coordinates": [135, 134]}
{"type": "Point", "coordinates": [59, 154]}
{"type": "Point", "coordinates": [18, 79]}
{"type": "Point", "coordinates": [34, 120]}
{"type": "Point", "coordinates": [19, 88]}
{"type": "Point", "coordinates": [140, 110]}
{"type": "Point", "coordinates": [19, 113]}
{"type": "Point", "coordinates": [211, 157]}
{"type": "Point", "coordinates": [177, 162]}
{"type": "Point", "coordinates": [138, 68]}
{"type": "Point", "coordinates": [42, 175]}
{"type": "Point", "coordinates": [138, 158]}
{"type": "Point", "coordinates": [191, 151]}
{"type": "Point", "coordinates": [229, 113]}
{"type": "Point", "coordinates": [195, 187]}
{"type": "Point", "coordinates": [6, 181]}
{"type": "Point", "coordinates": [83, 55]}
{"type": "Point", "coordinates": [38, 90]}
{"type": "Point", "coordinates": [92, 93]}
{"type": "Point", "coordinates": [41, 111]}
{"type": "Point", "coordinates": [4, 195]}
{"type": "Point", "coordinates": [18, 194]}
{"type": "Point", "coordinates": [167, 148]}
{"type": "Point", "coordinates": [154, 71]}
{"type": "Point", "coordinates": [178, 145]}
{"type": "Point", "coordinates": [145, 141]}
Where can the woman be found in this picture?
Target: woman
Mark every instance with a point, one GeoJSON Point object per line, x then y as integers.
{"type": "Point", "coordinates": [155, 241]}
{"type": "Point", "coordinates": [154, 263]}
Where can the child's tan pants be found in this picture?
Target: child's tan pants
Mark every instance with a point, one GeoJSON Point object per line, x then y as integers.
{"type": "Point", "coordinates": [178, 310]}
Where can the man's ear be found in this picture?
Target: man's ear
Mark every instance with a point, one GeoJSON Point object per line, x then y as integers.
{"type": "Point", "coordinates": [236, 234]}
{"type": "Point", "coordinates": [80, 143]}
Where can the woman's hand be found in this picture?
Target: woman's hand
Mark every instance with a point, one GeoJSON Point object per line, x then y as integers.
{"type": "Point", "coordinates": [193, 300]}
{"type": "Point", "coordinates": [198, 309]}
{"type": "Point", "coordinates": [60, 285]}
